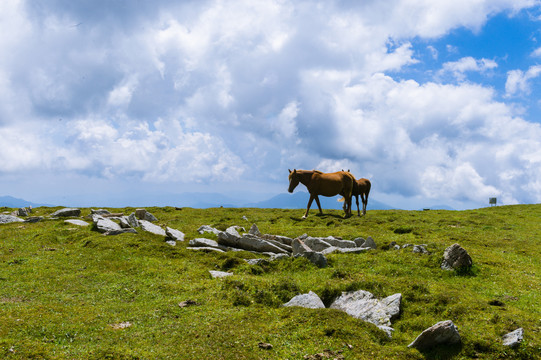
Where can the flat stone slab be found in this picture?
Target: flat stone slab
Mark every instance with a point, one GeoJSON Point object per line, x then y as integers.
{"type": "Point", "coordinates": [6, 219]}
{"type": "Point", "coordinates": [219, 274]}
{"type": "Point", "coordinates": [150, 227]}
{"type": "Point", "coordinates": [514, 338]}
{"type": "Point", "coordinates": [67, 212]}
{"type": "Point", "coordinates": [76, 222]}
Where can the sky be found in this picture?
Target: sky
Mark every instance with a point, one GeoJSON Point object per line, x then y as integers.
{"type": "Point", "coordinates": [436, 102]}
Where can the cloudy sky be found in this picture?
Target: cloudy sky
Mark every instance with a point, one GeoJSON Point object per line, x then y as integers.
{"type": "Point", "coordinates": [436, 102]}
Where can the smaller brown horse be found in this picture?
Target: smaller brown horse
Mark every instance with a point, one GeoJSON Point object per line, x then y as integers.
{"type": "Point", "coordinates": [326, 184]}
{"type": "Point", "coordinates": [360, 187]}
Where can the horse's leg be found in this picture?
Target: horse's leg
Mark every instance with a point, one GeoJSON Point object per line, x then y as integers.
{"type": "Point", "coordinates": [319, 205]}
{"type": "Point", "coordinates": [309, 204]}
{"type": "Point", "coordinates": [364, 198]}
{"type": "Point", "coordinates": [357, 201]}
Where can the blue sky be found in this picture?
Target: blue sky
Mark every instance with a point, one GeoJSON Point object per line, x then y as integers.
{"type": "Point", "coordinates": [437, 102]}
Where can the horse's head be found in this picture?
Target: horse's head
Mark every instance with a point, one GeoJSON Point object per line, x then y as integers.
{"type": "Point", "coordinates": [293, 180]}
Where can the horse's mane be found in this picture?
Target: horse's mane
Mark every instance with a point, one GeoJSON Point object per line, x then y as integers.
{"type": "Point", "coordinates": [317, 171]}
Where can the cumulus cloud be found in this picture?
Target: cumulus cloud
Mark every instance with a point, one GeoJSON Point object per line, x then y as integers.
{"type": "Point", "coordinates": [207, 91]}
{"type": "Point", "coordinates": [466, 64]}
{"type": "Point", "coordinates": [518, 81]}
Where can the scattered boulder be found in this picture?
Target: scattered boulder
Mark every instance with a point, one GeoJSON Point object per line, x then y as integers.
{"type": "Point", "coordinates": [76, 222]}
{"type": "Point", "coordinates": [219, 274]}
{"type": "Point", "coordinates": [316, 258]}
{"type": "Point", "coordinates": [22, 212]}
{"type": "Point", "coordinates": [174, 234]}
{"type": "Point", "coordinates": [207, 228]}
{"type": "Point", "coordinates": [232, 238]}
{"type": "Point", "coordinates": [363, 305]}
{"type": "Point", "coordinates": [104, 225]}
{"type": "Point", "coordinates": [514, 338]}
{"type": "Point", "coordinates": [310, 301]}
{"type": "Point", "coordinates": [132, 220]}
{"type": "Point", "coordinates": [456, 257]}
{"type": "Point", "coordinates": [359, 241]}
{"type": "Point", "coordinates": [67, 212]}
{"type": "Point", "coordinates": [142, 214]}
{"type": "Point", "coordinates": [202, 242]}
{"type": "Point", "coordinates": [254, 230]}
{"type": "Point", "coordinates": [370, 243]}
{"type": "Point", "coordinates": [33, 219]}
{"type": "Point", "coordinates": [443, 333]}
{"type": "Point", "coordinates": [421, 249]}
{"type": "Point", "coordinates": [150, 227]}
{"type": "Point", "coordinates": [99, 212]}
{"type": "Point", "coordinates": [6, 219]}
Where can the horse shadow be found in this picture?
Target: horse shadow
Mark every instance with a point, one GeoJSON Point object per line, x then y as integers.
{"type": "Point", "coordinates": [323, 216]}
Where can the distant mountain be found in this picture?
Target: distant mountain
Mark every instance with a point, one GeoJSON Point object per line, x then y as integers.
{"type": "Point", "coordinates": [11, 202]}
{"type": "Point", "coordinates": [299, 200]}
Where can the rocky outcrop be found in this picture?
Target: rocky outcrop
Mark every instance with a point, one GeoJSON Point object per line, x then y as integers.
{"type": "Point", "coordinates": [67, 212]}
{"type": "Point", "coordinates": [443, 333]}
{"type": "Point", "coordinates": [6, 219]}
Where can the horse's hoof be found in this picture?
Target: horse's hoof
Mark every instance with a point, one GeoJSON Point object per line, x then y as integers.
{"type": "Point", "coordinates": [303, 217]}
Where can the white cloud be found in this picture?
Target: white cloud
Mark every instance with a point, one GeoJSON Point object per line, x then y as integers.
{"type": "Point", "coordinates": [466, 64]}
{"type": "Point", "coordinates": [519, 82]}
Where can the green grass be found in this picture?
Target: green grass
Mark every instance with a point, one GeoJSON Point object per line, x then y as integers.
{"type": "Point", "coordinates": [63, 288]}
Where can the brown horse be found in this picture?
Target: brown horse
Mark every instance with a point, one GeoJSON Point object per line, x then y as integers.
{"type": "Point", "coordinates": [326, 184]}
{"type": "Point", "coordinates": [360, 187]}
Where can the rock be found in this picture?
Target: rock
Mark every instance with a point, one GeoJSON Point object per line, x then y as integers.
{"type": "Point", "coordinates": [514, 338]}
{"type": "Point", "coordinates": [370, 243]}
{"type": "Point", "coordinates": [124, 222]}
{"type": "Point", "coordinates": [282, 239]}
{"type": "Point", "coordinates": [206, 249]}
{"type": "Point", "coordinates": [339, 243]}
{"type": "Point", "coordinates": [421, 249]}
{"type": "Point", "coordinates": [231, 238]}
{"type": "Point", "coordinates": [100, 212]}
{"type": "Point", "coordinates": [316, 244]}
{"type": "Point", "coordinates": [140, 214]}
{"type": "Point", "coordinates": [149, 217]}
{"type": "Point", "coordinates": [443, 333]}
{"type": "Point", "coordinates": [363, 305]}
{"type": "Point", "coordinates": [120, 231]}
{"type": "Point", "coordinates": [278, 256]}
{"type": "Point", "coordinates": [219, 274]}
{"type": "Point", "coordinates": [359, 241]}
{"type": "Point", "coordinates": [355, 250]}
{"type": "Point", "coordinates": [310, 301]}
{"type": "Point", "coordinates": [76, 222]}
{"type": "Point", "coordinates": [6, 219]}
{"type": "Point", "coordinates": [265, 346]}
{"type": "Point", "coordinates": [34, 219]}
{"type": "Point", "coordinates": [316, 258]}
{"type": "Point", "coordinates": [254, 230]}
{"type": "Point", "coordinates": [174, 234]}
{"type": "Point", "coordinates": [105, 225]}
{"type": "Point", "coordinates": [22, 212]}
{"type": "Point", "coordinates": [132, 220]}
{"type": "Point", "coordinates": [67, 212]}
{"type": "Point", "coordinates": [455, 257]}
{"type": "Point", "coordinates": [150, 227]}
{"type": "Point", "coordinates": [299, 247]}
{"type": "Point", "coordinates": [206, 228]}
{"type": "Point", "coordinates": [202, 242]}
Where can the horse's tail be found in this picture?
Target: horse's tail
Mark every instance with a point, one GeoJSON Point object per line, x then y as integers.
{"type": "Point", "coordinates": [341, 199]}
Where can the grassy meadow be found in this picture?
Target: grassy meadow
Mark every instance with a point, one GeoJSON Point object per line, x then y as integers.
{"type": "Point", "coordinates": [69, 292]}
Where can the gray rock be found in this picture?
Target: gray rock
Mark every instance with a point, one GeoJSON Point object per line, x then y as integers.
{"type": "Point", "coordinates": [174, 234]}
{"type": "Point", "coordinates": [6, 219]}
{"type": "Point", "coordinates": [219, 274]}
{"type": "Point", "coordinates": [34, 219]}
{"type": "Point", "coordinates": [282, 239]}
{"type": "Point", "coordinates": [370, 243]}
{"type": "Point", "coordinates": [309, 301]}
{"type": "Point", "coordinates": [254, 230]}
{"type": "Point", "coordinates": [421, 249]}
{"type": "Point", "coordinates": [67, 212]}
{"type": "Point", "coordinates": [22, 212]}
{"type": "Point", "coordinates": [359, 241]}
{"type": "Point", "coordinates": [514, 338]}
{"type": "Point", "coordinates": [202, 242]}
{"type": "Point", "coordinates": [316, 258]}
{"type": "Point", "coordinates": [120, 231]}
{"type": "Point", "coordinates": [171, 242]}
{"type": "Point", "coordinates": [339, 243]}
{"type": "Point", "coordinates": [206, 249]}
{"type": "Point", "coordinates": [299, 247]}
{"type": "Point", "coordinates": [363, 305]}
{"type": "Point", "coordinates": [132, 220]}
{"type": "Point", "coordinates": [140, 214]}
{"type": "Point", "coordinates": [149, 217]}
{"type": "Point", "coordinates": [455, 257]}
{"type": "Point", "coordinates": [76, 222]}
{"type": "Point", "coordinates": [256, 261]}
{"type": "Point", "coordinates": [124, 222]}
{"type": "Point", "coordinates": [443, 333]}
{"type": "Point", "coordinates": [355, 250]}
{"type": "Point", "coordinates": [278, 256]}
{"type": "Point", "coordinates": [316, 244]}
{"type": "Point", "coordinates": [248, 242]}
{"type": "Point", "coordinates": [150, 227]}
{"type": "Point", "coordinates": [207, 228]}
{"type": "Point", "coordinates": [100, 212]}
{"type": "Point", "coordinates": [105, 225]}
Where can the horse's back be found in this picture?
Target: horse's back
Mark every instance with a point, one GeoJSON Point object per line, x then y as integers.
{"type": "Point", "coordinates": [331, 184]}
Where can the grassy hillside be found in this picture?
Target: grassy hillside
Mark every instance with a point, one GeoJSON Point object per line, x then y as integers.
{"type": "Point", "coordinates": [68, 292]}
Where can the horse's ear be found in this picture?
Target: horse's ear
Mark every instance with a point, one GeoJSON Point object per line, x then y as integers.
{"type": "Point", "coordinates": [289, 171]}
